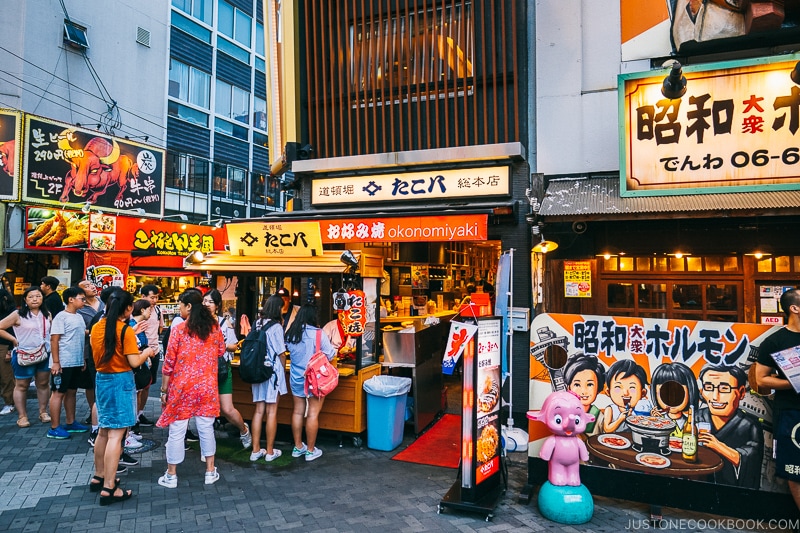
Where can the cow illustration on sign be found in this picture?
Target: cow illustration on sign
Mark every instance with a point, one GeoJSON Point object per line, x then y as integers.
{"type": "Point", "coordinates": [95, 168]}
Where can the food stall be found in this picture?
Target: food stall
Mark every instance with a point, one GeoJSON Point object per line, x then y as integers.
{"type": "Point", "coordinates": [259, 258]}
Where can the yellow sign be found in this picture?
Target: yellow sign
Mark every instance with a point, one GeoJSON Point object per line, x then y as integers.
{"type": "Point", "coordinates": [735, 127]}
{"type": "Point", "coordinates": [577, 279]}
{"type": "Point", "coordinates": [278, 239]}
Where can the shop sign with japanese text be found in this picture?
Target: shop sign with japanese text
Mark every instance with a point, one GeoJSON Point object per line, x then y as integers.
{"type": "Point", "coordinates": [65, 164]}
{"type": "Point", "coordinates": [10, 141]}
{"type": "Point", "coordinates": [405, 229]}
{"type": "Point", "coordinates": [413, 186]}
{"type": "Point", "coordinates": [276, 239]}
{"type": "Point", "coordinates": [577, 279]}
{"type": "Point", "coordinates": [160, 244]}
{"type": "Point", "coordinates": [736, 127]}
{"type": "Point", "coordinates": [643, 376]}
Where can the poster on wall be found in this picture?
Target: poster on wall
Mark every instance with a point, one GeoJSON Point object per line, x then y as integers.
{"type": "Point", "coordinates": [64, 164]}
{"type": "Point", "coordinates": [640, 377]}
{"type": "Point", "coordinates": [55, 229]}
{"type": "Point", "coordinates": [107, 269]}
{"type": "Point", "coordinates": [10, 140]}
{"type": "Point", "coordinates": [577, 279]}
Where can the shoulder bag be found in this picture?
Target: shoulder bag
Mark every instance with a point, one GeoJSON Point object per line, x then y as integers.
{"type": "Point", "coordinates": [142, 377]}
{"type": "Point", "coordinates": [26, 358]}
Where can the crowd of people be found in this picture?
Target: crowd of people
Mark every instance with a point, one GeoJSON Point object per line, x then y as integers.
{"type": "Point", "coordinates": [108, 345]}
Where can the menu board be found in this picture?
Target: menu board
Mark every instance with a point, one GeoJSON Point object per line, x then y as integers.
{"type": "Point", "coordinates": [480, 431]}
{"type": "Point", "coordinates": [487, 399]}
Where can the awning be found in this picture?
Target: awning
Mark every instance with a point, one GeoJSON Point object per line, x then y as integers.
{"type": "Point", "coordinates": [599, 199]}
{"type": "Point", "coordinates": [327, 263]}
{"type": "Point", "coordinates": [161, 272]}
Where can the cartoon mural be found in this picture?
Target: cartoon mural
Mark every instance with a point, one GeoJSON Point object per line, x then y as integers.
{"type": "Point", "coordinates": [641, 378]}
{"type": "Point", "coordinates": [65, 164]}
{"type": "Point", "coordinates": [9, 160]}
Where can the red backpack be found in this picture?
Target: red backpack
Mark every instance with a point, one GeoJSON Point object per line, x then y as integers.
{"type": "Point", "coordinates": [321, 376]}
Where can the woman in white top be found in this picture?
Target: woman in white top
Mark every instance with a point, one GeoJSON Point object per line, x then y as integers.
{"type": "Point", "coordinates": [31, 323]}
{"type": "Point", "coordinates": [213, 301]}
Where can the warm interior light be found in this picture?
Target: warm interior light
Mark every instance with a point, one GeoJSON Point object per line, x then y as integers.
{"type": "Point", "coordinates": [544, 246]}
{"type": "Point", "coordinates": [678, 255]}
{"type": "Point", "coordinates": [295, 294]}
{"type": "Point", "coordinates": [606, 256]}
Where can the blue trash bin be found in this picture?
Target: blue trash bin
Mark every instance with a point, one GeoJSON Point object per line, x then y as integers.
{"type": "Point", "coordinates": [386, 407]}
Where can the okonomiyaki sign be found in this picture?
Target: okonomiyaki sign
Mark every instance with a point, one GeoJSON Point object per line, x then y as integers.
{"type": "Point", "coordinates": [641, 377]}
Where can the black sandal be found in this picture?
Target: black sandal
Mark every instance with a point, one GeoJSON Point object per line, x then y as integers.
{"type": "Point", "coordinates": [97, 487]}
{"type": "Point", "coordinates": [111, 498]}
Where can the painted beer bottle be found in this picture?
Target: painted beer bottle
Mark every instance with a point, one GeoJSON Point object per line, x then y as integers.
{"type": "Point", "coordinates": [689, 445]}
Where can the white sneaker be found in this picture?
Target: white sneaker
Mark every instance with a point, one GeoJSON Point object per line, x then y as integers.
{"type": "Point", "coordinates": [132, 443]}
{"type": "Point", "coordinates": [272, 456]}
{"type": "Point", "coordinates": [255, 456]}
{"type": "Point", "coordinates": [135, 436]}
{"type": "Point", "coordinates": [247, 438]}
{"type": "Point", "coordinates": [316, 454]}
{"type": "Point", "coordinates": [299, 452]}
{"type": "Point", "coordinates": [7, 410]}
{"type": "Point", "coordinates": [212, 477]}
{"type": "Point", "coordinates": [169, 481]}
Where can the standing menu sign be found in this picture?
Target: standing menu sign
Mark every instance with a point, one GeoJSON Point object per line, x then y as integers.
{"type": "Point", "coordinates": [478, 487]}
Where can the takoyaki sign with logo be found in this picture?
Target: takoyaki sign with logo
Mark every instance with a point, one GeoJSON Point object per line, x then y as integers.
{"type": "Point", "coordinates": [64, 164]}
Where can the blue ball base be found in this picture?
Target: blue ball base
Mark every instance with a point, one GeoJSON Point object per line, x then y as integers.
{"type": "Point", "coordinates": [566, 504]}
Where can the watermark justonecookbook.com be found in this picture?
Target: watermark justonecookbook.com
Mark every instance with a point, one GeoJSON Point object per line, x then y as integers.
{"type": "Point", "coordinates": [721, 524]}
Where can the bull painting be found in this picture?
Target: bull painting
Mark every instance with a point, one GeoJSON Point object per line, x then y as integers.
{"type": "Point", "coordinates": [7, 154]}
{"type": "Point", "coordinates": [95, 168]}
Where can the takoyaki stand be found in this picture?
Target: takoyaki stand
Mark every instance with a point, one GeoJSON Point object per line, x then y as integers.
{"type": "Point", "coordinates": [264, 256]}
{"type": "Point", "coordinates": [676, 423]}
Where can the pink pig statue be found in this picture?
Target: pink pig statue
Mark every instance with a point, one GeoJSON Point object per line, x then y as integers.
{"type": "Point", "coordinates": [563, 414]}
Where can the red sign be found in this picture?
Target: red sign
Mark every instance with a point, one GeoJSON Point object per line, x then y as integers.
{"type": "Point", "coordinates": [158, 244]}
{"type": "Point", "coordinates": [106, 269]}
{"type": "Point", "coordinates": [405, 229]}
{"type": "Point", "coordinates": [354, 320]}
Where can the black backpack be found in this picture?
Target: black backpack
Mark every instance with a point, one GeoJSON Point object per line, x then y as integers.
{"type": "Point", "coordinates": [253, 355]}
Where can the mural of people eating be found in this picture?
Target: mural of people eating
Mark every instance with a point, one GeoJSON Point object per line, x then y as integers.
{"type": "Point", "coordinates": [670, 397]}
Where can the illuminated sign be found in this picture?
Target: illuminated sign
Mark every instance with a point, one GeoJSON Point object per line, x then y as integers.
{"type": "Point", "coordinates": [155, 243]}
{"type": "Point", "coordinates": [56, 229]}
{"type": "Point", "coordinates": [405, 229]}
{"type": "Point", "coordinates": [10, 141]}
{"type": "Point", "coordinates": [736, 126]}
{"type": "Point", "coordinates": [279, 239]}
{"type": "Point", "coordinates": [412, 186]}
{"type": "Point", "coordinates": [65, 164]}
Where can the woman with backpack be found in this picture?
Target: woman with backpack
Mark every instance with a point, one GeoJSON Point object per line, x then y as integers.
{"type": "Point", "coordinates": [213, 301]}
{"type": "Point", "coordinates": [304, 338]}
{"type": "Point", "coordinates": [266, 394]}
{"type": "Point", "coordinates": [189, 385]}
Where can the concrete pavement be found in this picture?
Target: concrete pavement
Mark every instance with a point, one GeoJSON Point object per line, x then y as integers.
{"type": "Point", "coordinates": [43, 488]}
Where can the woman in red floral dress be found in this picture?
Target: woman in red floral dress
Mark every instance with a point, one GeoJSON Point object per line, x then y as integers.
{"type": "Point", "coordinates": [189, 385]}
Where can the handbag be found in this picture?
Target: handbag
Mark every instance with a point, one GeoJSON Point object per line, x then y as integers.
{"type": "Point", "coordinates": [142, 377]}
{"type": "Point", "coordinates": [26, 358]}
{"type": "Point", "coordinates": [223, 369]}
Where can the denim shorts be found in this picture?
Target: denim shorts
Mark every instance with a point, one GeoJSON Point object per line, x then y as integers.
{"type": "Point", "coordinates": [27, 372]}
{"type": "Point", "coordinates": [115, 395]}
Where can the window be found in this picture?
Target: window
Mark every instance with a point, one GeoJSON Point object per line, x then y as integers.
{"type": "Point", "coordinates": [265, 190]}
{"type": "Point", "coordinates": [189, 84]}
{"type": "Point", "coordinates": [260, 49]}
{"type": "Point", "coordinates": [415, 48]}
{"type": "Point", "coordinates": [232, 102]}
{"type": "Point", "coordinates": [186, 172]}
{"type": "Point", "coordinates": [191, 27]}
{"type": "Point", "coordinates": [260, 113]}
{"type": "Point", "coordinates": [75, 36]}
{"type": "Point", "coordinates": [233, 50]}
{"type": "Point", "coordinates": [189, 114]}
{"type": "Point", "coordinates": [234, 23]}
{"type": "Point", "coordinates": [686, 300]}
{"type": "Point", "coordinates": [229, 128]}
{"type": "Point", "coordinates": [199, 9]}
{"type": "Point", "coordinates": [229, 182]}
